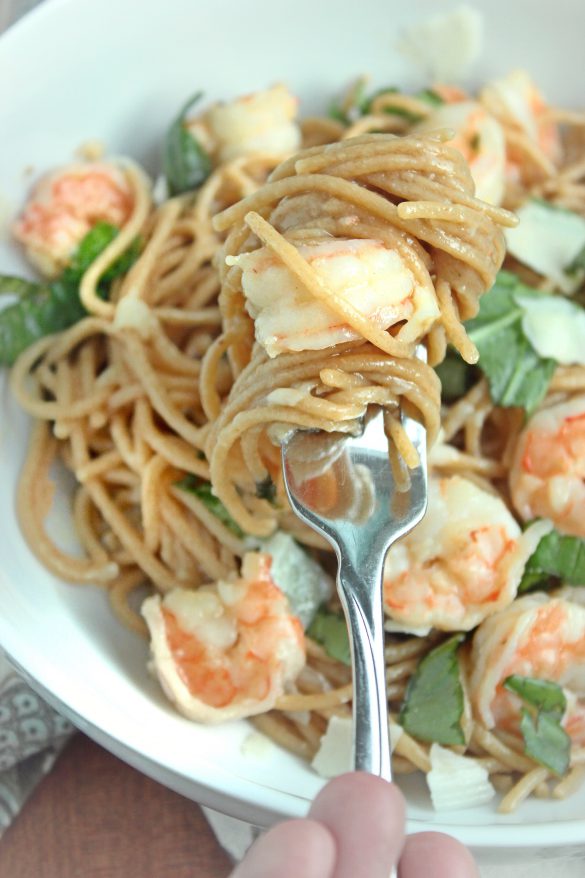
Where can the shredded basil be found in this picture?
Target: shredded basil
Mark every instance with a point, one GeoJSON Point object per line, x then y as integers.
{"type": "Point", "coordinates": [456, 376]}
{"type": "Point", "coordinates": [203, 491]}
{"type": "Point", "coordinates": [433, 703]}
{"type": "Point", "coordinates": [516, 374]}
{"type": "Point", "coordinates": [545, 740]}
{"type": "Point", "coordinates": [330, 631]}
{"type": "Point", "coordinates": [266, 490]}
{"type": "Point", "coordinates": [186, 163]}
{"type": "Point", "coordinates": [47, 308]}
{"type": "Point", "coordinates": [556, 559]}
{"type": "Point", "coordinates": [427, 95]}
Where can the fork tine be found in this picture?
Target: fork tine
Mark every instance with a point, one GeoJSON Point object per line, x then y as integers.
{"type": "Point", "coordinates": [417, 434]}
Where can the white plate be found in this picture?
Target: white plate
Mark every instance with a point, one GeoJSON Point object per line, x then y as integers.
{"type": "Point", "coordinates": [79, 69]}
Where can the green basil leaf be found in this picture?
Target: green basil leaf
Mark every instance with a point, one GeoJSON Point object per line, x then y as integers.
{"type": "Point", "coordinates": [431, 97]}
{"type": "Point", "coordinates": [557, 558]}
{"type": "Point", "coordinates": [266, 490]}
{"type": "Point", "coordinates": [51, 309]}
{"type": "Point", "coordinates": [347, 111]}
{"type": "Point", "coordinates": [330, 631]}
{"type": "Point", "coordinates": [401, 112]}
{"type": "Point", "coordinates": [48, 308]}
{"type": "Point", "coordinates": [543, 695]}
{"type": "Point", "coordinates": [186, 164]}
{"type": "Point", "coordinates": [456, 376]}
{"type": "Point", "coordinates": [433, 703]}
{"type": "Point", "coordinates": [203, 491]}
{"type": "Point", "coordinates": [121, 266]}
{"type": "Point", "coordinates": [90, 247]}
{"type": "Point", "coordinates": [93, 244]}
{"type": "Point", "coordinates": [533, 581]}
{"type": "Point", "coordinates": [546, 741]}
{"type": "Point", "coordinates": [338, 114]}
{"type": "Point", "coordinates": [427, 95]}
{"type": "Point", "coordinates": [18, 286]}
{"type": "Point", "coordinates": [516, 374]}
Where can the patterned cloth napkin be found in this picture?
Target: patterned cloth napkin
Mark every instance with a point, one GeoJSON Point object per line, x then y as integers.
{"type": "Point", "coordinates": [31, 737]}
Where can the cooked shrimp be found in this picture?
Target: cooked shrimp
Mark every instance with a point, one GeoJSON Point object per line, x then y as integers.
{"type": "Point", "coordinates": [537, 636]}
{"type": "Point", "coordinates": [547, 476]}
{"type": "Point", "coordinates": [516, 102]}
{"type": "Point", "coordinates": [65, 205]}
{"type": "Point", "coordinates": [366, 273]}
{"type": "Point", "coordinates": [462, 563]}
{"type": "Point", "coordinates": [260, 122]}
{"type": "Point", "coordinates": [227, 650]}
{"type": "Point", "coordinates": [480, 140]}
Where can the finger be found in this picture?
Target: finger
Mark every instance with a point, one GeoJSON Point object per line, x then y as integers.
{"type": "Point", "coordinates": [365, 815]}
{"type": "Point", "coordinates": [289, 850]}
{"type": "Point", "coordinates": [435, 855]}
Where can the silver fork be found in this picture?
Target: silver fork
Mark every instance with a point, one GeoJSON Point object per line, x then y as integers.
{"type": "Point", "coordinates": [368, 513]}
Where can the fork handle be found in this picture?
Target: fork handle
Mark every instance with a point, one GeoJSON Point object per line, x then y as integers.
{"type": "Point", "coordinates": [362, 601]}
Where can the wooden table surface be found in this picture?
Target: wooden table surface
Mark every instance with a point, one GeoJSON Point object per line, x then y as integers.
{"type": "Point", "coordinates": [95, 817]}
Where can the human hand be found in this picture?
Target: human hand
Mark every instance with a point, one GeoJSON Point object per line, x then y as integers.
{"type": "Point", "coordinates": [355, 829]}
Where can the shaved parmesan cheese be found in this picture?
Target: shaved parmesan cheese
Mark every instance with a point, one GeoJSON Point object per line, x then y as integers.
{"type": "Point", "coordinates": [395, 734]}
{"type": "Point", "coordinates": [555, 328]}
{"type": "Point", "coordinates": [334, 755]}
{"type": "Point", "coordinates": [456, 781]}
{"type": "Point", "coordinates": [302, 580]}
{"type": "Point", "coordinates": [395, 627]}
{"type": "Point", "coordinates": [285, 396]}
{"type": "Point", "coordinates": [445, 47]}
{"type": "Point", "coordinates": [160, 190]}
{"type": "Point", "coordinates": [548, 239]}
{"type": "Point", "coordinates": [132, 313]}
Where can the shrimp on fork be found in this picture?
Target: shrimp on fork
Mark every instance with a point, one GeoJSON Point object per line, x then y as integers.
{"type": "Point", "coordinates": [537, 636]}
{"type": "Point", "coordinates": [65, 205]}
{"type": "Point", "coordinates": [547, 476]}
{"type": "Point", "coordinates": [366, 273]}
{"type": "Point", "coordinates": [226, 650]}
{"type": "Point", "coordinates": [461, 564]}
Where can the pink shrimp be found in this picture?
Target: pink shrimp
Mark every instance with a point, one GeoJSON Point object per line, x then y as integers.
{"type": "Point", "coordinates": [537, 636]}
{"type": "Point", "coordinates": [372, 277]}
{"type": "Point", "coordinates": [63, 208]}
{"type": "Point", "coordinates": [227, 650]}
{"type": "Point", "coordinates": [547, 476]}
{"type": "Point", "coordinates": [462, 563]}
